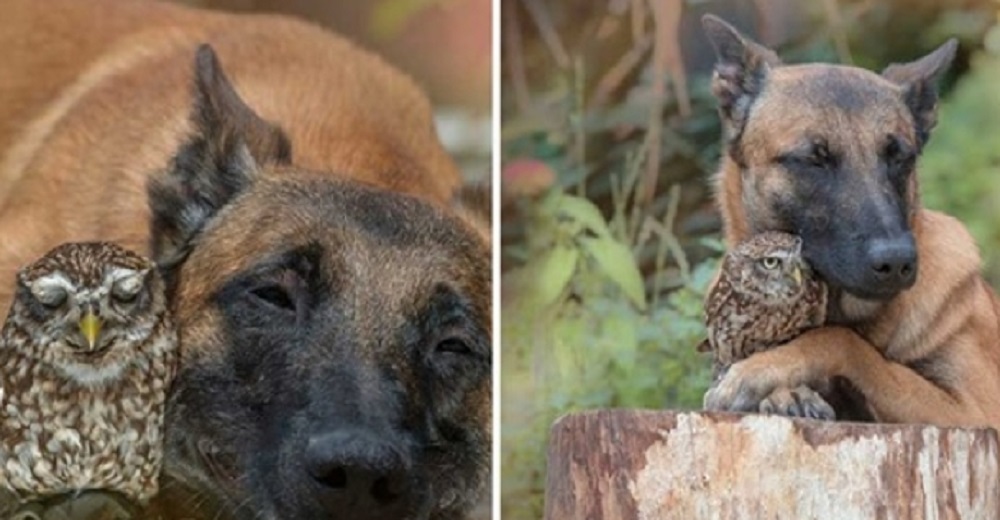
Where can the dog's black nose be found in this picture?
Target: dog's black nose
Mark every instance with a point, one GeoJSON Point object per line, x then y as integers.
{"type": "Point", "coordinates": [360, 475]}
{"type": "Point", "coordinates": [893, 262]}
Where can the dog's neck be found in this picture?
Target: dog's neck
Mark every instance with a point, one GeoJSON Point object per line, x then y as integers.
{"type": "Point", "coordinates": [729, 198]}
{"type": "Point", "coordinates": [846, 309]}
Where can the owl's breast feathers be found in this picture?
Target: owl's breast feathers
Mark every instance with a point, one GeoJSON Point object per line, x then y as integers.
{"type": "Point", "coordinates": [739, 325]}
{"type": "Point", "coordinates": [59, 436]}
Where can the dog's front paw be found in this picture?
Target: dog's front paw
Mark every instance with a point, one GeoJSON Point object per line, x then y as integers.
{"type": "Point", "coordinates": [800, 401]}
{"type": "Point", "coordinates": [735, 391]}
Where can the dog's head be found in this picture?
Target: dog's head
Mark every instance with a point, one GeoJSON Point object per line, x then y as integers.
{"type": "Point", "coordinates": [335, 336]}
{"type": "Point", "coordinates": [827, 152]}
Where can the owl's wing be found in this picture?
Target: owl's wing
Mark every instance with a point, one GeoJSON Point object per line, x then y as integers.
{"type": "Point", "coordinates": [718, 297]}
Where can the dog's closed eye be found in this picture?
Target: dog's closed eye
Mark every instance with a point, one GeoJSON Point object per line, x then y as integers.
{"type": "Point", "coordinates": [275, 295]}
{"type": "Point", "coordinates": [453, 346]}
{"type": "Point", "coordinates": [816, 154]}
{"type": "Point", "coordinates": [282, 291]}
{"type": "Point", "coordinates": [896, 152]}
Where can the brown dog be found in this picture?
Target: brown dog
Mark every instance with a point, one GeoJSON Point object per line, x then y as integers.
{"type": "Point", "coordinates": [828, 152]}
{"type": "Point", "coordinates": [333, 303]}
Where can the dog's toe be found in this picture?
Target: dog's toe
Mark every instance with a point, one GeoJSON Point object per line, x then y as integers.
{"type": "Point", "coordinates": [801, 401]}
{"type": "Point", "coordinates": [813, 405]}
{"type": "Point", "coordinates": [779, 402]}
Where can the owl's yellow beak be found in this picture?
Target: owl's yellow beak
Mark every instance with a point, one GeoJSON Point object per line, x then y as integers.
{"type": "Point", "coordinates": [797, 275]}
{"type": "Point", "coordinates": [90, 327]}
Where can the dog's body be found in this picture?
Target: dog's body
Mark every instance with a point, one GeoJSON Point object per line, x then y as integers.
{"type": "Point", "coordinates": [96, 96]}
{"type": "Point", "coordinates": [333, 305]}
{"type": "Point", "coordinates": [828, 152]}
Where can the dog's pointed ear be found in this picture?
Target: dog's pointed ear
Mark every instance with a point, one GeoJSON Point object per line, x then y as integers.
{"type": "Point", "coordinates": [919, 80]}
{"type": "Point", "coordinates": [228, 145]}
{"type": "Point", "coordinates": [225, 120]}
{"type": "Point", "coordinates": [740, 71]}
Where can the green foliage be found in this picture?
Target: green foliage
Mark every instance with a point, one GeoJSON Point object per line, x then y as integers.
{"type": "Point", "coordinates": [579, 333]}
{"type": "Point", "coordinates": [960, 169]}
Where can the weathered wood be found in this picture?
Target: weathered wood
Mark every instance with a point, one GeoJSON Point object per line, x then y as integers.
{"type": "Point", "coordinates": [625, 464]}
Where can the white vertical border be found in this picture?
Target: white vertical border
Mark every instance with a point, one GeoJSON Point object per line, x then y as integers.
{"type": "Point", "coordinates": [495, 173]}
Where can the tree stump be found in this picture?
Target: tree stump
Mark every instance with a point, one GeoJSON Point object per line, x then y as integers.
{"type": "Point", "coordinates": [625, 464]}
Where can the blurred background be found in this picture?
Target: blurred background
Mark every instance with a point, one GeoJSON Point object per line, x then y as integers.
{"type": "Point", "coordinates": [445, 45]}
{"type": "Point", "coordinates": [609, 138]}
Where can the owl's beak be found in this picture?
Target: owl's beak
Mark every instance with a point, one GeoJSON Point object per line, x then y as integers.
{"type": "Point", "coordinates": [797, 275]}
{"type": "Point", "coordinates": [90, 327]}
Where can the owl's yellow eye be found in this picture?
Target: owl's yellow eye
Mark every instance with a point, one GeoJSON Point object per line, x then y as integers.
{"type": "Point", "coordinates": [770, 262]}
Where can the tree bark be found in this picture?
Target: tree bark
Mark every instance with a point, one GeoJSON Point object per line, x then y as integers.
{"type": "Point", "coordinates": [625, 464]}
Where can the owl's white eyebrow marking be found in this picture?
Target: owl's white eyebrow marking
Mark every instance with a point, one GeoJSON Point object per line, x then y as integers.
{"type": "Point", "coordinates": [52, 281]}
{"type": "Point", "coordinates": [116, 274]}
{"type": "Point", "coordinates": [129, 281]}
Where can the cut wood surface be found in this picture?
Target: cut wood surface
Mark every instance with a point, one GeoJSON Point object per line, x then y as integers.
{"type": "Point", "coordinates": [624, 464]}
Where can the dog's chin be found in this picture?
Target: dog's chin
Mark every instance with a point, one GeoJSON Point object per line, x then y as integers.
{"type": "Point", "coordinates": [871, 295]}
{"type": "Point", "coordinates": [300, 496]}
{"type": "Point", "coordinates": [854, 309]}
{"type": "Point", "coordinates": [852, 303]}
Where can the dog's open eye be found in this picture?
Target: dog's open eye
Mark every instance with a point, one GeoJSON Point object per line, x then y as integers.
{"type": "Point", "coordinates": [274, 295]}
{"type": "Point", "coordinates": [770, 262]}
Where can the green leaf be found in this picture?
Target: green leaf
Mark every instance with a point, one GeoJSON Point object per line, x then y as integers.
{"type": "Point", "coordinates": [623, 345]}
{"type": "Point", "coordinates": [616, 262]}
{"type": "Point", "coordinates": [583, 211]}
{"type": "Point", "coordinates": [553, 272]}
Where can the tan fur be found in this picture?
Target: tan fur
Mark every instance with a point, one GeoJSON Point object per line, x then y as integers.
{"type": "Point", "coordinates": [95, 96]}
{"type": "Point", "coordinates": [947, 322]}
{"type": "Point", "coordinates": [780, 122]}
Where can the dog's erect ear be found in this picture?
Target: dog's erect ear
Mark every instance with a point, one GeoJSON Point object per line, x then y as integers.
{"type": "Point", "coordinates": [228, 145]}
{"type": "Point", "coordinates": [228, 126]}
{"type": "Point", "coordinates": [919, 80]}
{"type": "Point", "coordinates": [740, 72]}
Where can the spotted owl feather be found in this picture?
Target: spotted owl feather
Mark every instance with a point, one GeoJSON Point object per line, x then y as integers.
{"type": "Point", "coordinates": [87, 354]}
{"type": "Point", "coordinates": [765, 295]}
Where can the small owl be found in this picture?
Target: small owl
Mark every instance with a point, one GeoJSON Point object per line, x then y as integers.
{"type": "Point", "coordinates": [87, 354]}
{"type": "Point", "coordinates": [765, 295]}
